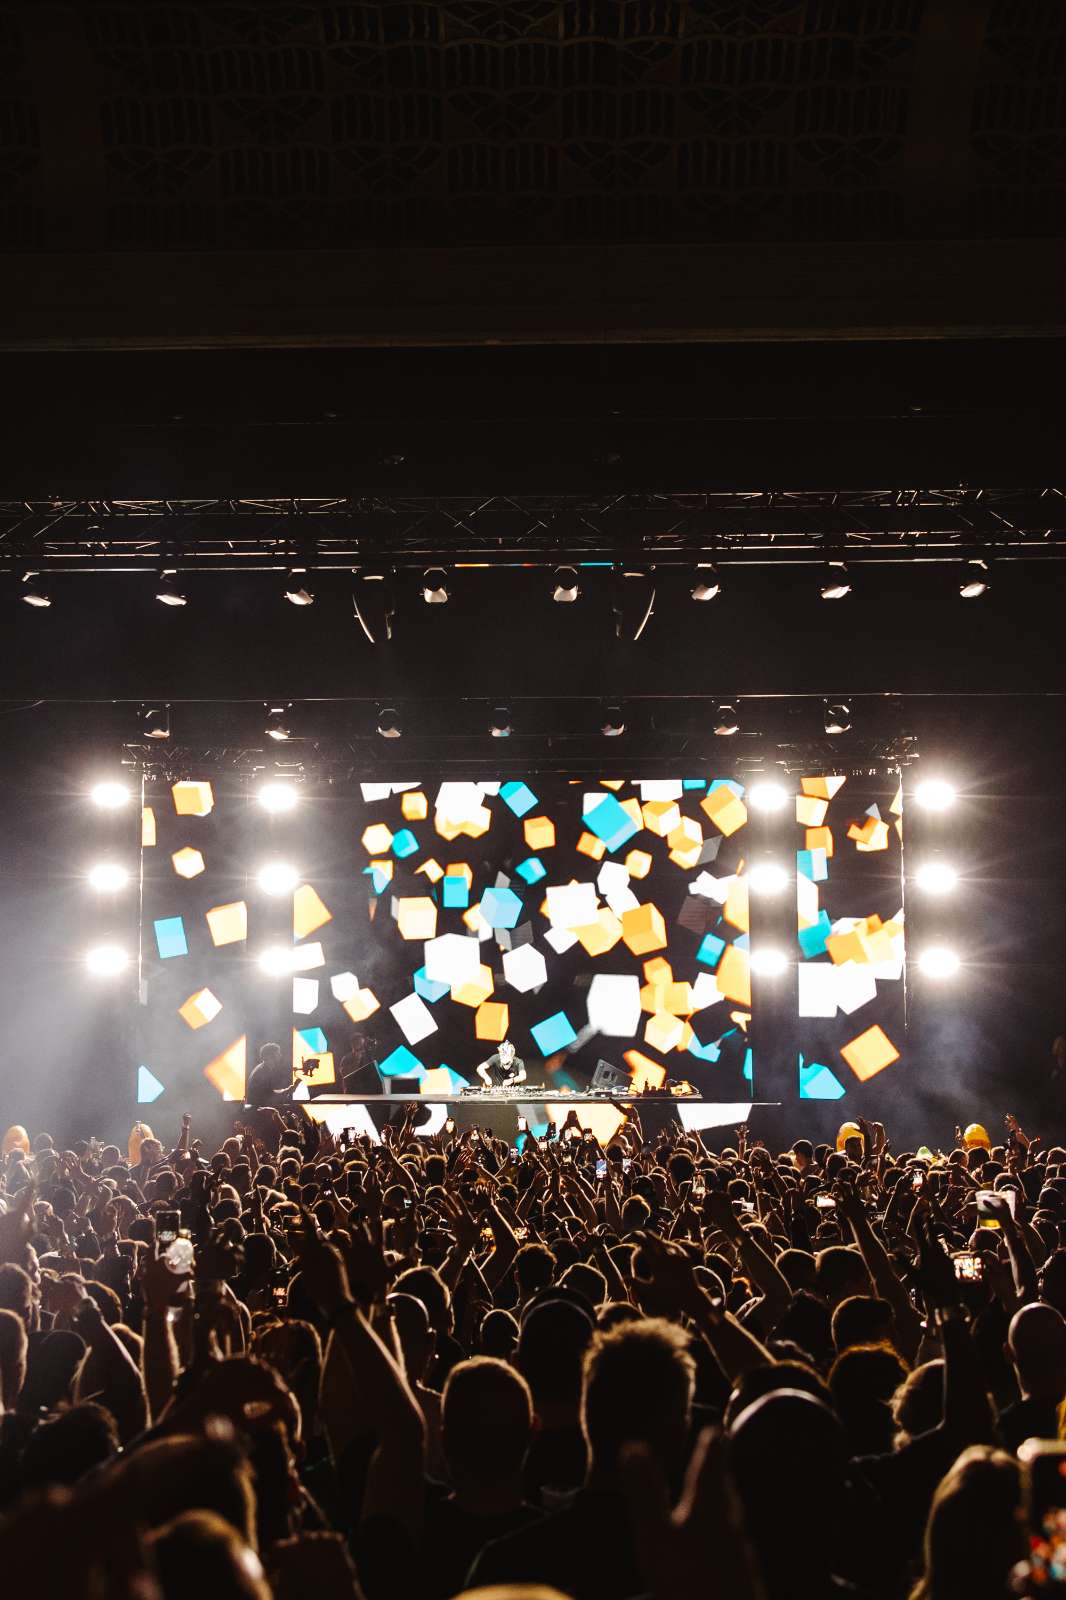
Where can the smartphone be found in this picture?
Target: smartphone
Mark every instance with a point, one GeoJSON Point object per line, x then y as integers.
{"type": "Point", "coordinates": [1046, 1461]}
{"type": "Point", "coordinates": [969, 1266]}
{"type": "Point", "coordinates": [747, 1205]}
{"type": "Point", "coordinates": [523, 1125]}
{"type": "Point", "coordinates": [167, 1224]}
{"type": "Point", "coordinates": [825, 1202]}
{"type": "Point", "coordinates": [626, 1163]}
{"type": "Point", "coordinates": [281, 1294]}
{"type": "Point", "coordinates": [601, 1168]}
{"type": "Point", "coordinates": [983, 1196]}
{"type": "Point", "coordinates": [918, 1180]}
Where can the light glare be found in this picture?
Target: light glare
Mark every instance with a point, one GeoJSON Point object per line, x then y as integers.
{"type": "Point", "coordinates": [275, 797]}
{"type": "Point", "coordinates": [767, 796]}
{"type": "Point", "coordinates": [768, 963]}
{"type": "Point", "coordinates": [935, 794]}
{"type": "Point", "coordinates": [109, 796]}
{"type": "Point", "coordinates": [938, 962]}
{"type": "Point", "coordinates": [277, 877]}
{"type": "Point", "coordinates": [107, 877]}
{"type": "Point", "coordinates": [768, 877]}
{"type": "Point", "coordinates": [936, 877]}
{"type": "Point", "coordinates": [106, 960]}
{"type": "Point", "coordinates": [277, 961]}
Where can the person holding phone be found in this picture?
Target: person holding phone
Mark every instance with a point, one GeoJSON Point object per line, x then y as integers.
{"type": "Point", "coordinates": [503, 1069]}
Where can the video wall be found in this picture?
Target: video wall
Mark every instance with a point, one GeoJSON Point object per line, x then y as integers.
{"type": "Point", "coordinates": [849, 893]}
{"type": "Point", "coordinates": [597, 925]}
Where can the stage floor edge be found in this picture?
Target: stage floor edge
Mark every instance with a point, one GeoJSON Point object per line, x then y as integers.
{"type": "Point", "coordinates": [603, 1118]}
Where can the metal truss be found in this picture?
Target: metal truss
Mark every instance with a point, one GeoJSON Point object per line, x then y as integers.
{"type": "Point", "coordinates": [336, 534]}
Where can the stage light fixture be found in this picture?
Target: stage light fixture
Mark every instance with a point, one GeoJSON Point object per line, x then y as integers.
{"type": "Point", "coordinates": [836, 581]}
{"type": "Point", "coordinates": [435, 591]}
{"type": "Point", "coordinates": [108, 877]}
{"type": "Point", "coordinates": [836, 716]}
{"type": "Point", "coordinates": [768, 877]}
{"type": "Point", "coordinates": [613, 721]}
{"type": "Point", "coordinates": [565, 586]}
{"type": "Point", "coordinates": [707, 582]}
{"type": "Point", "coordinates": [277, 877]}
{"type": "Point", "coordinates": [278, 723]}
{"type": "Point", "coordinates": [296, 591]}
{"type": "Point", "coordinates": [768, 962]}
{"type": "Point", "coordinates": [975, 580]}
{"type": "Point", "coordinates": [935, 794]}
{"type": "Point", "coordinates": [106, 960]}
{"type": "Point", "coordinates": [633, 601]}
{"type": "Point", "coordinates": [766, 795]}
{"type": "Point", "coordinates": [726, 720]}
{"type": "Point", "coordinates": [109, 795]}
{"type": "Point", "coordinates": [167, 591]}
{"type": "Point", "coordinates": [938, 961]}
{"type": "Point", "coordinates": [936, 877]}
{"type": "Point", "coordinates": [277, 960]}
{"type": "Point", "coordinates": [33, 594]}
{"type": "Point", "coordinates": [500, 723]}
{"type": "Point", "coordinates": [389, 723]}
{"type": "Point", "coordinates": [155, 721]}
{"type": "Point", "coordinates": [277, 797]}
{"type": "Point", "coordinates": [374, 604]}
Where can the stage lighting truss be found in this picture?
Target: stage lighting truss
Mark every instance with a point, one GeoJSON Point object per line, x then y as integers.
{"type": "Point", "coordinates": [435, 591]}
{"type": "Point", "coordinates": [34, 593]}
{"type": "Point", "coordinates": [837, 717]}
{"type": "Point", "coordinates": [706, 582]}
{"type": "Point", "coordinates": [632, 601]}
{"type": "Point", "coordinates": [389, 723]}
{"type": "Point", "coordinates": [278, 724]}
{"type": "Point", "coordinates": [565, 586]}
{"type": "Point", "coordinates": [836, 581]}
{"type": "Point", "coordinates": [500, 722]}
{"type": "Point", "coordinates": [167, 590]}
{"type": "Point", "coordinates": [374, 604]}
{"type": "Point", "coordinates": [975, 580]}
{"type": "Point", "coordinates": [612, 721]}
{"type": "Point", "coordinates": [296, 591]}
{"type": "Point", "coordinates": [155, 722]}
{"type": "Point", "coordinates": [726, 719]}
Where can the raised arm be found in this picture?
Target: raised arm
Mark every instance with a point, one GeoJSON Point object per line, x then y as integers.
{"type": "Point", "coordinates": [882, 1273]}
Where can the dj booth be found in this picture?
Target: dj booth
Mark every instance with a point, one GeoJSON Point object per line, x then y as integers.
{"type": "Point", "coordinates": [499, 1111]}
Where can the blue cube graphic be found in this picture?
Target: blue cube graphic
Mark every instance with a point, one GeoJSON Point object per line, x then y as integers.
{"type": "Point", "coordinates": [519, 796]}
{"type": "Point", "coordinates": [554, 1033]}
{"type": "Point", "coordinates": [501, 908]}
{"type": "Point", "coordinates": [456, 894]}
{"type": "Point", "coordinates": [428, 988]}
{"type": "Point", "coordinates": [401, 1063]}
{"type": "Point", "coordinates": [710, 950]}
{"type": "Point", "coordinates": [314, 1039]}
{"type": "Point", "coordinates": [532, 869]}
{"type": "Point", "coordinates": [170, 938]}
{"type": "Point", "coordinates": [404, 843]}
{"type": "Point", "coordinates": [812, 939]}
{"type": "Point", "coordinates": [609, 821]}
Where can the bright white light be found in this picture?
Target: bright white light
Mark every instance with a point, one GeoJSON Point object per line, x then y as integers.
{"type": "Point", "coordinates": [106, 960]}
{"type": "Point", "coordinates": [938, 962]}
{"type": "Point", "coordinates": [109, 796]}
{"type": "Point", "coordinates": [975, 581]}
{"type": "Point", "coordinates": [277, 877]}
{"type": "Point", "coordinates": [277, 961]}
{"type": "Point", "coordinates": [936, 877]}
{"type": "Point", "coordinates": [769, 963]}
{"type": "Point", "coordinates": [768, 877]}
{"type": "Point", "coordinates": [935, 794]}
{"type": "Point", "coordinates": [767, 796]}
{"type": "Point", "coordinates": [277, 797]}
{"type": "Point", "coordinates": [108, 876]}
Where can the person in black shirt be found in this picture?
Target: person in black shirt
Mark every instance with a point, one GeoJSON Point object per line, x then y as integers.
{"type": "Point", "coordinates": [270, 1080]}
{"type": "Point", "coordinates": [503, 1068]}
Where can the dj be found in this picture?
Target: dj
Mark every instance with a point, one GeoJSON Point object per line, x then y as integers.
{"type": "Point", "coordinates": [503, 1069]}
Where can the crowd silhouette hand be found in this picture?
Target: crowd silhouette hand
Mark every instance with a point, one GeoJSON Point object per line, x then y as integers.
{"type": "Point", "coordinates": [324, 1269]}
{"type": "Point", "coordinates": [679, 1547]}
{"type": "Point", "coordinates": [16, 1226]}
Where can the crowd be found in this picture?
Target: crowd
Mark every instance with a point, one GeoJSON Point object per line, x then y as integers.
{"type": "Point", "coordinates": [428, 1366]}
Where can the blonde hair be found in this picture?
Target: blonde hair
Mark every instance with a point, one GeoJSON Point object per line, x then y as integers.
{"type": "Point", "coordinates": [16, 1138]}
{"type": "Point", "coordinates": [138, 1134]}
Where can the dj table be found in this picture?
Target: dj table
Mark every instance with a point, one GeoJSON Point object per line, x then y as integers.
{"type": "Point", "coordinates": [498, 1110]}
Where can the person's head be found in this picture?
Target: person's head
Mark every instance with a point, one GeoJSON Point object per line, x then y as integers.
{"type": "Point", "coordinates": [806, 1322]}
{"type": "Point", "coordinates": [552, 1341]}
{"type": "Point", "coordinates": [586, 1280]}
{"type": "Point", "coordinates": [486, 1422]}
{"type": "Point", "coordinates": [183, 1472]}
{"type": "Point", "coordinates": [16, 1138]}
{"type": "Point", "coordinates": [534, 1268]}
{"type": "Point", "coordinates": [270, 1055]}
{"type": "Point", "coordinates": [498, 1334]}
{"type": "Point", "coordinates": [13, 1347]}
{"type": "Point", "coordinates": [636, 1214]}
{"type": "Point", "coordinates": [427, 1285]}
{"type": "Point", "coordinates": [1036, 1345]}
{"type": "Point", "coordinates": [863, 1380]}
{"type": "Point", "coordinates": [840, 1272]}
{"type": "Point", "coordinates": [862, 1319]}
{"type": "Point", "coordinates": [974, 1534]}
{"type": "Point", "coordinates": [18, 1294]}
{"type": "Point", "coordinates": [415, 1333]}
{"type": "Point", "coordinates": [773, 1375]}
{"type": "Point", "coordinates": [640, 1378]}
{"type": "Point", "coordinates": [199, 1552]}
{"type": "Point", "coordinates": [918, 1403]}
{"type": "Point", "coordinates": [65, 1449]}
{"type": "Point", "coordinates": [507, 1052]}
{"type": "Point", "coordinates": [1052, 1280]}
{"type": "Point", "coordinates": [799, 1269]}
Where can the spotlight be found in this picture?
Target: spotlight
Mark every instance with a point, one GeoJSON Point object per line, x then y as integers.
{"type": "Point", "coordinates": [938, 962]}
{"type": "Point", "coordinates": [836, 584]}
{"type": "Point", "coordinates": [277, 961]}
{"type": "Point", "coordinates": [500, 723]}
{"type": "Point", "coordinates": [106, 960]}
{"type": "Point", "coordinates": [766, 795]}
{"type": "Point", "coordinates": [768, 963]}
{"type": "Point", "coordinates": [107, 877]}
{"type": "Point", "coordinates": [435, 590]}
{"type": "Point", "coordinates": [278, 723]}
{"type": "Point", "coordinates": [109, 796]}
{"type": "Point", "coordinates": [936, 877]}
{"type": "Point", "coordinates": [277, 877]}
{"type": "Point", "coordinates": [707, 583]}
{"type": "Point", "coordinates": [768, 877]}
{"type": "Point", "coordinates": [613, 722]}
{"type": "Point", "coordinates": [295, 591]}
{"type": "Point", "coordinates": [156, 722]}
{"type": "Point", "coordinates": [633, 602]}
{"type": "Point", "coordinates": [389, 724]}
{"type": "Point", "coordinates": [726, 720]}
{"type": "Point", "coordinates": [167, 591]}
{"type": "Point", "coordinates": [975, 580]}
{"type": "Point", "coordinates": [837, 716]}
{"type": "Point", "coordinates": [566, 588]}
{"type": "Point", "coordinates": [374, 605]}
{"type": "Point", "coordinates": [32, 592]}
{"type": "Point", "coordinates": [275, 797]}
{"type": "Point", "coordinates": [935, 794]}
